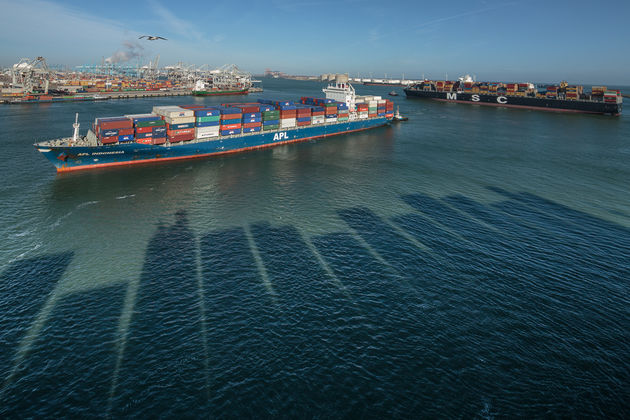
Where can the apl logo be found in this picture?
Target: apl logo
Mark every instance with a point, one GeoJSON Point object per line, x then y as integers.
{"type": "Point", "coordinates": [280, 136]}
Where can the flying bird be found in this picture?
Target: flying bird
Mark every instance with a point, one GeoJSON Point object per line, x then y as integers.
{"type": "Point", "coordinates": [152, 38]}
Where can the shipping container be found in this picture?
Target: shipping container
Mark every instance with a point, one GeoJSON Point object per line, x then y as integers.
{"type": "Point", "coordinates": [230, 126]}
{"type": "Point", "coordinates": [208, 124]}
{"type": "Point", "coordinates": [171, 127]}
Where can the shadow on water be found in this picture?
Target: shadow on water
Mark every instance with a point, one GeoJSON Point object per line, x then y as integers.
{"type": "Point", "coordinates": [455, 309]}
{"type": "Point", "coordinates": [68, 370]}
{"type": "Point", "coordinates": [239, 319]}
{"type": "Point", "coordinates": [162, 369]}
{"type": "Point", "coordinates": [24, 287]}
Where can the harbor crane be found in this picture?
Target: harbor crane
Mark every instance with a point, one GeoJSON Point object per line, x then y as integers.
{"type": "Point", "coordinates": [27, 74]}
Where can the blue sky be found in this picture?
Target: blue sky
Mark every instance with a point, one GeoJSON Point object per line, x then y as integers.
{"type": "Point", "coordinates": [537, 40]}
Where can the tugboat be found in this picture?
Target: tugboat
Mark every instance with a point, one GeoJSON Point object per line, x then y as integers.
{"type": "Point", "coordinates": [398, 117]}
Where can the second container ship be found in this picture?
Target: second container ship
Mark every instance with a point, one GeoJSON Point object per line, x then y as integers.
{"type": "Point", "coordinates": [562, 97]}
{"type": "Point", "coordinates": [184, 132]}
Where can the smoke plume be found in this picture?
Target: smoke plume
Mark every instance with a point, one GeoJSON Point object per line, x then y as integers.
{"type": "Point", "coordinates": [132, 49]}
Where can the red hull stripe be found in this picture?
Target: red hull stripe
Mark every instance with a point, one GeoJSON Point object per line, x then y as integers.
{"type": "Point", "coordinates": [136, 162]}
{"type": "Point", "coordinates": [538, 108]}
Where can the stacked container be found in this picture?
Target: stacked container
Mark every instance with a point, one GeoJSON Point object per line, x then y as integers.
{"type": "Point", "coordinates": [362, 110]}
{"type": "Point", "coordinates": [148, 128]}
{"type": "Point", "coordinates": [389, 109]}
{"type": "Point", "coordinates": [180, 122]}
{"type": "Point", "coordinates": [304, 115]}
{"type": "Point", "coordinates": [252, 118]}
{"type": "Point", "coordinates": [610, 96]}
{"type": "Point", "coordinates": [113, 129]}
{"type": "Point", "coordinates": [318, 114]}
{"type": "Point", "coordinates": [207, 122]}
{"type": "Point", "coordinates": [270, 117]}
{"type": "Point", "coordinates": [231, 121]}
{"type": "Point", "coordinates": [552, 92]}
{"type": "Point", "coordinates": [288, 114]}
{"type": "Point", "coordinates": [381, 107]}
{"type": "Point", "coordinates": [342, 112]}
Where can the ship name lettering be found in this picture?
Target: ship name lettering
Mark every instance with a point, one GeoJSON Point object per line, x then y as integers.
{"type": "Point", "coordinates": [280, 136]}
{"type": "Point", "coordinates": [452, 96]}
{"type": "Point", "coordinates": [475, 98]}
{"type": "Point", "coordinates": [113, 152]}
{"type": "Point", "coordinates": [502, 100]}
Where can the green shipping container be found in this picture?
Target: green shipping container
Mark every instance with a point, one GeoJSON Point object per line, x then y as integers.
{"type": "Point", "coordinates": [342, 119]}
{"type": "Point", "coordinates": [209, 119]}
{"type": "Point", "coordinates": [155, 123]}
{"type": "Point", "coordinates": [271, 115]}
{"type": "Point", "coordinates": [271, 127]}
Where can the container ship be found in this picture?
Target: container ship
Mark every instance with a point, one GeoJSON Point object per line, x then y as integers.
{"type": "Point", "coordinates": [43, 99]}
{"type": "Point", "coordinates": [560, 98]}
{"type": "Point", "coordinates": [194, 131]}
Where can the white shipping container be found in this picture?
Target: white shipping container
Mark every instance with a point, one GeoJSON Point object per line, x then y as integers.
{"type": "Point", "coordinates": [204, 130]}
{"type": "Point", "coordinates": [381, 102]}
{"type": "Point", "coordinates": [372, 104]}
{"type": "Point", "coordinates": [207, 135]}
{"type": "Point", "coordinates": [180, 120]}
{"type": "Point", "coordinates": [331, 120]}
{"type": "Point", "coordinates": [140, 115]}
{"type": "Point", "coordinates": [376, 98]}
{"type": "Point", "coordinates": [363, 115]}
{"type": "Point", "coordinates": [288, 122]}
{"type": "Point", "coordinates": [173, 111]}
{"type": "Point", "coordinates": [317, 120]}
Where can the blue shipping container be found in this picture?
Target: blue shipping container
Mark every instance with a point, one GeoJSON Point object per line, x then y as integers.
{"type": "Point", "coordinates": [271, 122]}
{"type": "Point", "coordinates": [252, 115]}
{"type": "Point", "coordinates": [234, 121]}
{"type": "Point", "coordinates": [159, 130]}
{"type": "Point", "coordinates": [125, 137]}
{"type": "Point", "coordinates": [109, 133]}
{"type": "Point", "coordinates": [251, 120]}
{"type": "Point", "coordinates": [302, 119]}
{"type": "Point", "coordinates": [207, 112]}
{"type": "Point", "coordinates": [251, 129]}
{"type": "Point", "coordinates": [144, 135]}
{"type": "Point", "coordinates": [229, 132]}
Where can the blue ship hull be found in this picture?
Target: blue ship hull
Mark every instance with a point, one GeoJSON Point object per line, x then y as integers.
{"type": "Point", "coordinates": [72, 158]}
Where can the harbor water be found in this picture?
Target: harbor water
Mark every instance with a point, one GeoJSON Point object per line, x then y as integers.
{"type": "Point", "coordinates": [471, 262]}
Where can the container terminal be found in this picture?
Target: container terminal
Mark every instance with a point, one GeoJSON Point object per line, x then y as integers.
{"type": "Point", "coordinates": [33, 81]}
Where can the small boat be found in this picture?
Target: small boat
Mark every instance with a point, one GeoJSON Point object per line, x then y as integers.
{"type": "Point", "coordinates": [393, 93]}
{"type": "Point", "coordinates": [398, 117]}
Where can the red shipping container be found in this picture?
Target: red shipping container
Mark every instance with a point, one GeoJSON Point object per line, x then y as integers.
{"type": "Point", "coordinates": [252, 124]}
{"type": "Point", "coordinates": [181, 137]}
{"type": "Point", "coordinates": [343, 115]}
{"type": "Point", "coordinates": [301, 123]}
{"type": "Point", "coordinates": [159, 140]}
{"type": "Point", "coordinates": [316, 113]}
{"type": "Point", "coordinates": [292, 113]}
{"type": "Point", "coordinates": [230, 127]}
{"type": "Point", "coordinates": [183, 131]}
{"type": "Point", "coordinates": [144, 129]}
{"type": "Point", "coordinates": [125, 132]}
{"type": "Point", "coordinates": [249, 109]}
{"type": "Point", "coordinates": [109, 140]}
{"type": "Point", "coordinates": [112, 125]}
{"type": "Point", "coordinates": [231, 116]}
{"type": "Point", "coordinates": [331, 110]}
